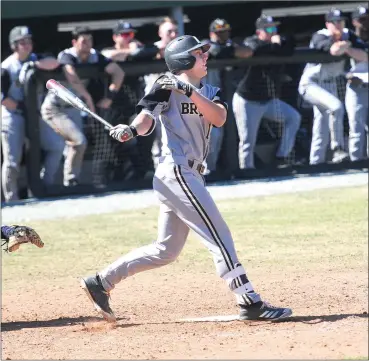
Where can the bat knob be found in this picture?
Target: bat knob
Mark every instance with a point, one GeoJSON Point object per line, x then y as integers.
{"type": "Point", "coordinates": [50, 84]}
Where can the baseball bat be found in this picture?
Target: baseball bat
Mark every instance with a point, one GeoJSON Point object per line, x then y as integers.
{"type": "Point", "coordinates": [63, 93]}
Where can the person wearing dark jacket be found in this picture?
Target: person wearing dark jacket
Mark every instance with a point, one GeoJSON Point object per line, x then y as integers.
{"type": "Point", "coordinates": [222, 47]}
{"type": "Point", "coordinates": [257, 95]}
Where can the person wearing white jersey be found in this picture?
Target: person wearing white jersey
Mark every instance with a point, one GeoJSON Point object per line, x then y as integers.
{"type": "Point", "coordinates": [318, 86]}
{"type": "Point", "coordinates": [357, 90]}
{"type": "Point", "coordinates": [186, 110]}
{"type": "Point", "coordinates": [14, 116]}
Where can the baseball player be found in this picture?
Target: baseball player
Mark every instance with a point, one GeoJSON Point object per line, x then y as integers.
{"type": "Point", "coordinates": [186, 110]}
{"type": "Point", "coordinates": [357, 89]}
{"type": "Point", "coordinates": [222, 47]}
{"type": "Point", "coordinates": [14, 236]}
{"type": "Point", "coordinates": [13, 128]}
{"type": "Point", "coordinates": [257, 95]}
{"type": "Point", "coordinates": [64, 118]}
{"type": "Point", "coordinates": [318, 86]}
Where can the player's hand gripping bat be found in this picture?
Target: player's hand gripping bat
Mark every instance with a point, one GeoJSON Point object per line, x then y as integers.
{"type": "Point", "coordinates": [70, 98]}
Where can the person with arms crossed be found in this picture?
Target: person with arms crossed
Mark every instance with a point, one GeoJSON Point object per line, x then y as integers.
{"type": "Point", "coordinates": [134, 164]}
{"type": "Point", "coordinates": [222, 47]}
{"type": "Point", "coordinates": [257, 95]}
{"type": "Point", "coordinates": [13, 117]}
{"type": "Point", "coordinates": [186, 110]}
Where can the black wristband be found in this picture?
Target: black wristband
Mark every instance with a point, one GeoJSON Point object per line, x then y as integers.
{"type": "Point", "coordinates": [189, 90]}
{"type": "Point", "coordinates": [134, 131]}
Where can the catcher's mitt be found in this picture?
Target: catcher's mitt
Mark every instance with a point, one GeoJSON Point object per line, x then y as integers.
{"type": "Point", "coordinates": [14, 236]}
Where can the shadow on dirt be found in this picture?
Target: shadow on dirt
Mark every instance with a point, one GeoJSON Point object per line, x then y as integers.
{"type": "Point", "coordinates": [323, 318]}
{"type": "Point", "coordinates": [69, 321]}
{"type": "Point", "coordinates": [58, 322]}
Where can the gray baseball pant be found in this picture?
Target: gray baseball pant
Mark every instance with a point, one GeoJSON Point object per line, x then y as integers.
{"type": "Point", "coordinates": [248, 115]}
{"type": "Point", "coordinates": [68, 123]}
{"type": "Point", "coordinates": [13, 139]}
{"type": "Point", "coordinates": [184, 204]}
{"type": "Point", "coordinates": [357, 108]}
{"type": "Point", "coordinates": [328, 118]}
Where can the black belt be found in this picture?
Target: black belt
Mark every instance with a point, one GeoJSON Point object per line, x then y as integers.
{"type": "Point", "coordinates": [200, 168]}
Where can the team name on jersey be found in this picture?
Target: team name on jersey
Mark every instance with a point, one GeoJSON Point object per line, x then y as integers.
{"type": "Point", "coordinates": [189, 108]}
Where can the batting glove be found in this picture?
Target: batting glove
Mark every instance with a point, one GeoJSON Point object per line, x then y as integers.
{"type": "Point", "coordinates": [172, 83]}
{"type": "Point", "coordinates": [123, 132]}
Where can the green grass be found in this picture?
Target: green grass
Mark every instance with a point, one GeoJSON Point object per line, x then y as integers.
{"type": "Point", "coordinates": [325, 229]}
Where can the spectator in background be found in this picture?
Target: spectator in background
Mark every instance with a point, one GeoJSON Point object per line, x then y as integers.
{"type": "Point", "coordinates": [360, 21]}
{"type": "Point", "coordinates": [222, 47]}
{"type": "Point", "coordinates": [167, 31]}
{"type": "Point", "coordinates": [357, 89]}
{"type": "Point", "coordinates": [13, 128]}
{"type": "Point", "coordinates": [318, 86]}
{"type": "Point", "coordinates": [258, 94]}
{"type": "Point", "coordinates": [127, 49]}
{"type": "Point", "coordinates": [125, 43]}
{"type": "Point", "coordinates": [64, 118]}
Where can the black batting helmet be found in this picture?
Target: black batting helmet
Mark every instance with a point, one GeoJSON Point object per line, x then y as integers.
{"type": "Point", "coordinates": [177, 52]}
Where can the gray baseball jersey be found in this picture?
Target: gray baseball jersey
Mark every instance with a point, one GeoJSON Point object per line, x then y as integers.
{"type": "Point", "coordinates": [184, 201]}
{"type": "Point", "coordinates": [318, 86]}
{"type": "Point", "coordinates": [185, 132]}
{"type": "Point", "coordinates": [315, 72]}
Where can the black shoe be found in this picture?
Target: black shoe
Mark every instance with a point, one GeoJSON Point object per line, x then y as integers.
{"type": "Point", "coordinates": [262, 311]}
{"type": "Point", "coordinates": [98, 296]}
{"type": "Point", "coordinates": [339, 155]}
{"type": "Point", "coordinates": [71, 183]}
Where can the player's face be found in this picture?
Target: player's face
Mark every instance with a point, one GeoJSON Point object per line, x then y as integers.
{"type": "Point", "coordinates": [336, 27]}
{"type": "Point", "coordinates": [222, 36]}
{"type": "Point", "coordinates": [83, 44]}
{"type": "Point", "coordinates": [168, 32]}
{"type": "Point", "coordinates": [24, 46]}
{"type": "Point", "coordinates": [200, 69]}
{"type": "Point", "coordinates": [124, 39]}
{"type": "Point", "coordinates": [267, 33]}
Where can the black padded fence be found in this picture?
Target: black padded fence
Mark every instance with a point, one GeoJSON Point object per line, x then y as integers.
{"type": "Point", "coordinates": [116, 159]}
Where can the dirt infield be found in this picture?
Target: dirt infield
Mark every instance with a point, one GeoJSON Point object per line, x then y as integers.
{"type": "Point", "coordinates": [61, 324]}
{"type": "Point", "coordinates": [312, 257]}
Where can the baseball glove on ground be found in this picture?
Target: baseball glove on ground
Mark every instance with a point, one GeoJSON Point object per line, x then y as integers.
{"type": "Point", "coordinates": [14, 236]}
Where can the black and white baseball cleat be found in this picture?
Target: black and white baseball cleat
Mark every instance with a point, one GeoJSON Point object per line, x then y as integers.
{"type": "Point", "coordinates": [98, 296]}
{"type": "Point", "coordinates": [262, 311]}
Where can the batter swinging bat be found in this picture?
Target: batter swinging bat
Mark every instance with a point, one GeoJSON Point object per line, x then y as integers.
{"type": "Point", "coordinates": [70, 98]}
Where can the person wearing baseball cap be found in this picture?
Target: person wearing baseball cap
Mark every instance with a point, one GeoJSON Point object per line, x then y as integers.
{"type": "Point", "coordinates": [258, 95]}
{"type": "Point", "coordinates": [14, 72]}
{"type": "Point", "coordinates": [267, 23]}
{"type": "Point", "coordinates": [318, 86]}
{"type": "Point", "coordinates": [360, 20]}
{"type": "Point", "coordinates": [222, 47]}
{"type": "Point", "coordinates": [125, 43]}
{"type": "Point", "coordinates": [19, 33]}
{"type": "Point", "coordinates": [127, 48]}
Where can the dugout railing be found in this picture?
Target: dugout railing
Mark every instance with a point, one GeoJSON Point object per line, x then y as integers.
{"type": "Point", "coordinates": [232, 70]}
